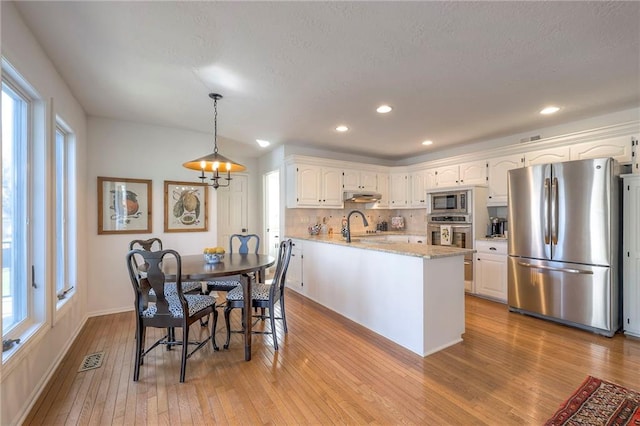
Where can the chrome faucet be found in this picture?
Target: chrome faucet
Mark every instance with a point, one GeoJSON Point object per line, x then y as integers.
{"type": "Point", "coordinates": [364, 220]}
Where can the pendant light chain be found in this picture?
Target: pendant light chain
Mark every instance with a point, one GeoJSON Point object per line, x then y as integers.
{"type": "Point", "coordinates": [215, 125]}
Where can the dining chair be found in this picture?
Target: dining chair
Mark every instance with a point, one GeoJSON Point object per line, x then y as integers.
{"type": "Point", "coordinates": [155, 244]}
{"type": "Point", "coordinates": [264, 296]}
{"type": "Point", "coordinates": [232, 282]}
{"type": "Point", "coordinates": [169, 310]}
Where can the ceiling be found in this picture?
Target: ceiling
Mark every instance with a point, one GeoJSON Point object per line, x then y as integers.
{"type": "Point", "coordinates": [290, 72]}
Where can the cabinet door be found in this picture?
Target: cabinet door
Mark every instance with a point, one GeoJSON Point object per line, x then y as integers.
{"type": "Point", "coordinates": [497, 173]}
{"type": "Point", "coordinates": [294, 278]}
{"type": "Point", "coordinates": [308, 185]}
{"type": "Point", "coordinates": [351, 180]}
{"type": "Point", "coordinates": [383, 188]}
{"type": "Point", "coordinates": [473, 173]}
{"type": "Point", "coordinates": [631, 256]}
{"type": "Point", "coordinates": [430, 178]}
{"type": "Point", "coordinates": [491, 275]}
{"type": "Point", "coordinates": [331, 185]}
{"type": "Point", "coordinates": [619, 148]}
{"type": "Point", "coordinates": [552, 155]}
{"type": "Point", "coordinates": [398, 190]}
{"type": "Point", "coordinates": [447, 176]}
{"type": "Point", "coordinates": [418, 189]}
{"type": "Point", "coordinates": [369, 181]}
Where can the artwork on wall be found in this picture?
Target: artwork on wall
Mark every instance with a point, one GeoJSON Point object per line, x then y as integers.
{"type": "Point", "coordinates": [124, 206]}
{"type": "Point", "coordinates": [185, 206]}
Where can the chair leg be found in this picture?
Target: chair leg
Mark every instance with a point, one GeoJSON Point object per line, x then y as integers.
{"type": "Point", "coordinates": [185, 347]}
{"type": "Point", "coordinates": [227, 312]}
{"type": "Point", "coordinates": [139, 349]}
{"type": "Point", "coordinates": [213, 332]}
{"type": "Point", "coordinates": [283, 315]}
{"type": "Point", "coordinates": [272, 319]}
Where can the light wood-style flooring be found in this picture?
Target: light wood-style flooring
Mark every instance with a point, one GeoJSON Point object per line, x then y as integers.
{"type": "Point", "coordinates": [510, 370]}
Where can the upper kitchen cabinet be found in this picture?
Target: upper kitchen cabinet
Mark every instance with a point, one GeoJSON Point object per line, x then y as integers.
{"type": "Point", "coordinates": [550, 155]}
{"type": "Point", "coordinates": [383, 189]}
{"type": "Point", "coordinates": [313, 186]}
{"type": "Point", "coordinates": [618, 148]}
{"type": "Point", "coordinates": [419, 185]}
{"type": "Point", "coordinates": [354, 180]}
{"type": "Point", "coordinates": [398, 190]}
{"type": "Point", "coordinates": [471, 173]}
{"type": "Point", "coordinates": [497, 171]}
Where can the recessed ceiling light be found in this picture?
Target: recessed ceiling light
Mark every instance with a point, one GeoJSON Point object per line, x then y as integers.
{"type": "Point", "coordinates": [383, 109]}
{"type": "Point", "coordinates": [263, 143]}
{"type": "Point", "coordinates": [427, 142]}
{"type": "Point", "coordinates": [549, 110]}
{"type": "Point", "coordinates": [342, 128]}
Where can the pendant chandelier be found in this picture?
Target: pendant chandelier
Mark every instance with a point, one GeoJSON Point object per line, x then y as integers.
{"type": "Point", "coordinates": [215, 162]}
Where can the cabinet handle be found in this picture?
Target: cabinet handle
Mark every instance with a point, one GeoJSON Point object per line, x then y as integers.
{"type": "Point", "coordinates": [493, 248]}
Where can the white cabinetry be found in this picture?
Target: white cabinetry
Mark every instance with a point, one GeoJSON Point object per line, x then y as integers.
{"type": "Point", "coordinates": [631, 255]}
{"type": "Point", "coordinates": [313, 186]}
{"type": "Point", "coordinates": [619, 148]}
{"type": "Point", "coordinates": [471, 173]}
{"type": "Point", "coordinates": [551, 155]}
{"type": "Point", "coordinates": [419, 189]}
{"type": "Point", "coordinates": [383, 188]}
{"type": "Point", "coordinates": [491, 269]}
{"type": "Point", "coordinates": [399, 190]}
{"type": "Point", "coordinates": [354, 180]}
{"type": "Point", "coordinates": [295, 276]}
{"type": "Point", "coordinates": [497, 172]}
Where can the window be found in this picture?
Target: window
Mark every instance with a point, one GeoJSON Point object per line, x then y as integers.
{"type": "Point", "coordinates": [64, 209]}
{"type": "Point", "coordinates": [15, 209]}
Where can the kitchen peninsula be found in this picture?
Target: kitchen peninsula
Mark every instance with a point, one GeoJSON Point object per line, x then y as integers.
{"type": "Point", "coordinates": [412, 294]}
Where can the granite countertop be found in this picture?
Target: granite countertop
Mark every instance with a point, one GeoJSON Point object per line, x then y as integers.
{"type": "Point", "coordinates": [407, 249]}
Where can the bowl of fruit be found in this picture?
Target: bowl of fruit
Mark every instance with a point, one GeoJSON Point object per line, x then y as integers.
{"type": "Point", "coordinates": [213, 254]}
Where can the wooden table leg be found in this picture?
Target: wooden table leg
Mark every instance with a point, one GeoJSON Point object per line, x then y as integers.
{"type": "Point", "coordinates": [246, 289]}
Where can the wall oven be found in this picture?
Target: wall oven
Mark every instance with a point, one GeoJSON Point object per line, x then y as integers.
{"type": "Point", "coordinates": [449, 202]}
{"type": "Point", "coordinates": [461, 236]}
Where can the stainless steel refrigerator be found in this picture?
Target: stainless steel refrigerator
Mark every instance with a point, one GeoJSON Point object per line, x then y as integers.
{"type": "Point", "coordinates": [563, 235]}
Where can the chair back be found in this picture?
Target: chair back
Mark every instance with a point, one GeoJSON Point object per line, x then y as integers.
{"type": "Point", "coordinates": [152, 244]}
{"type": "Point", "coordinates": [153, 278]}
{"type": "Point", "coordinates": [279, 279]}
{"type": "Point", "coordinates": [245, 240]}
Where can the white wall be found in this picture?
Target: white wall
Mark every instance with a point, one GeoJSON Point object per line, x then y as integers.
{"type": "Point", "coordinates": [24, 374]}
{"type": "Point", "coordinates": [130, 150]}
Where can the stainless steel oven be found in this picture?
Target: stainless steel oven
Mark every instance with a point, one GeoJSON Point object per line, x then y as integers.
{"type": "Point", "coordinates": [449, 202]}
{"type": "Point", "coordinates": [461, 237]}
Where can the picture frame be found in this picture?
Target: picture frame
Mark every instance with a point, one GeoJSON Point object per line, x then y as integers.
{"type": "Point", "coordinates": [124, 206]}
{"type": "Point", "coordinates": [186, 206]}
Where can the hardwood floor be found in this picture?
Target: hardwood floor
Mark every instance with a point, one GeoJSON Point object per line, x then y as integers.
{"type": "Point", "coordinates": [510, 369]}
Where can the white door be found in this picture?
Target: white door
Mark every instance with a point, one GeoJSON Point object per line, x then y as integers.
{"type": "Point", "coordinates": [272, 212]}
{"type": "Point", "coordinates": [232, 209]}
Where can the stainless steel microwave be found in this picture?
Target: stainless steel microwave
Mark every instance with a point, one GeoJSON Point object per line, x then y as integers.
{"type": "Point", "coordinates": [449, 202]}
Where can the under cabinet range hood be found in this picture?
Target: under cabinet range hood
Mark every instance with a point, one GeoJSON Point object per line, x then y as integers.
{"type": "Point", "coordinates": [362, 196]}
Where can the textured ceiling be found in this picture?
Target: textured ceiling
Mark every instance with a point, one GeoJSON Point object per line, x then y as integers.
{"type": "Point", "coordinates": [454, 72]}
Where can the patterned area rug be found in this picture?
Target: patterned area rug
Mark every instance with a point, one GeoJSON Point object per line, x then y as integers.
{"type": "Point", "coordinates": [598, 402]}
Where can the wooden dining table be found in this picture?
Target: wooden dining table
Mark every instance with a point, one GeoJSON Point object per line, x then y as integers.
{"type": "Point", "coordinates": [194, 268]}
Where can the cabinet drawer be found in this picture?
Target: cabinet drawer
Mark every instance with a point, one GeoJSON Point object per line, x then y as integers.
{"type": "Point", "coordinates": [493, 247]}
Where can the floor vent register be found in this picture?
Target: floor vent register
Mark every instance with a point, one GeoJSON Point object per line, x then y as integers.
{"type": "Point", "coordinates": [92, 361]}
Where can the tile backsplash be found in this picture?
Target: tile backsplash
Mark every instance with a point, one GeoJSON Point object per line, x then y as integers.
{"type": "Point", "coordinates": [297, 221]}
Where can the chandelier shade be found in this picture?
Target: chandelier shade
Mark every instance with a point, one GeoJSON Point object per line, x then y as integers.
{"type": "Point", "coordinates": [215, 163]}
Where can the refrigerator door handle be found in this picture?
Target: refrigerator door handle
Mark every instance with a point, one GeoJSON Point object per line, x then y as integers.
{"type": "Point", "coordinates": [547, 190]}
{"type": "Point", "coordinates": [554, 211]}
{"type": "Point", "coordinates": [551, 268]}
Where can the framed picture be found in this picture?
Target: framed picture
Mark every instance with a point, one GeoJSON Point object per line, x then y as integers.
{"type": "Point", "coordinates": [185, 206]}
{"type": "Point", "coordinates": [124, 206]}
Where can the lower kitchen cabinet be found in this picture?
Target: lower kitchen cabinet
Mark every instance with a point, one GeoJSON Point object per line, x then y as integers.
{"type": "Point", "coordinates": [631, 255]}
{"type": "Point", "coordinates": [295, 272]}
{"type": "Point", "coordinates": [491, 269]}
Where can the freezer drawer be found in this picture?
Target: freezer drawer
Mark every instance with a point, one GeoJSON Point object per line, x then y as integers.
{"type": "Point", "coordinates": [580, 295]}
